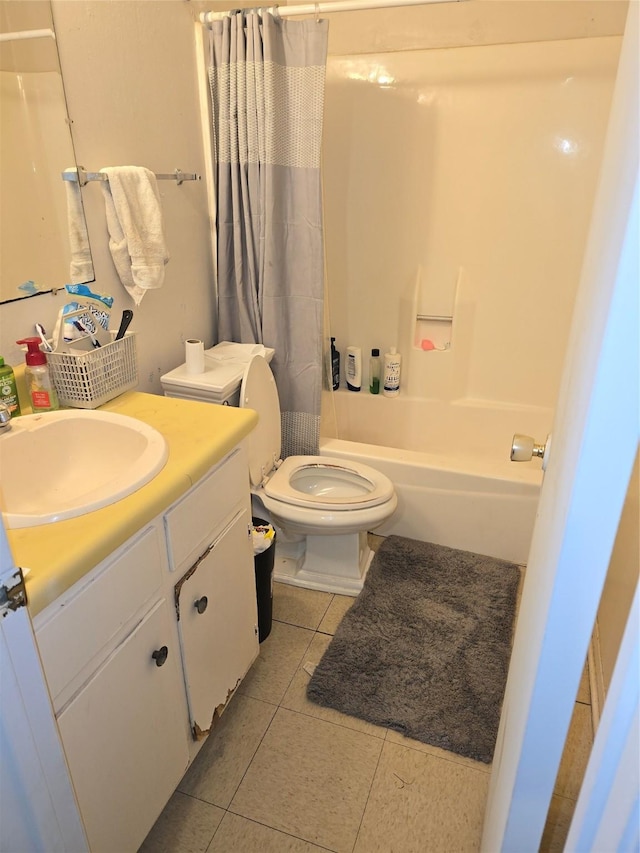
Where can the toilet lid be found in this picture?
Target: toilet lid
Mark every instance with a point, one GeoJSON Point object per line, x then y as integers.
{"type": "Point", "coordinates": [258, 391]}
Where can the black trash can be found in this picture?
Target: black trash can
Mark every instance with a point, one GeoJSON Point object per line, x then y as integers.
{"type": "Point", "coordinates": [264, 578]}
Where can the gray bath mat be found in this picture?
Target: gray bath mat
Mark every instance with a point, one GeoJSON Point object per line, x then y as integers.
{"type": "Point", "coordinates": [425, 648]}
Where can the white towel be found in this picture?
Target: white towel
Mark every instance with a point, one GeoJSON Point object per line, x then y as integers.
{"type": "Point", "coordinates": [231, 351]}
{"type": "Point", "coordinates": [81, 268]}
{"type": "Point", "coordinates": [134, 220]}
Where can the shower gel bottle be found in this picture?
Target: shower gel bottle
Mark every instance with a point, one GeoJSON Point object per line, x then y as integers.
{"type": "Point", "coordinates": [392, 364]}
{"type": "Point", "coordinates": [335, 366]}
{"type": "Point", "coordinates": [8, 390]}
{"type": "Point", "coordinates": [354, 368]}
{"type": "Point", "coordinates": [374, 372]}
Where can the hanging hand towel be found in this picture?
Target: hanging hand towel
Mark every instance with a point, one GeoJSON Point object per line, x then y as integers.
{"type": "Point", "coordinates": [134, 220]}
{"type": "Point", "coordinates": [81, 268]}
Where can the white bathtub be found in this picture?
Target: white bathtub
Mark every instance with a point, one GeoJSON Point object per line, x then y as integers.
{"type": "Point", "coordinates": [450, 465]}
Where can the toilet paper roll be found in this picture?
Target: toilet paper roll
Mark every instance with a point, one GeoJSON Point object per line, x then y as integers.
{"type": "Point", "coordinates": [194, 356]}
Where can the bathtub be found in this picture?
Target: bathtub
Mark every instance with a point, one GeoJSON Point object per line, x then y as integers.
{"type": "Point", "coordinates": [450, 466]}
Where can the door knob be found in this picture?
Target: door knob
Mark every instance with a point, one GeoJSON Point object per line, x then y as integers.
{"type": "Point", "coordinates": [160, 655]}
{"type": "Point", "coordinates": [201, 604]}
{"type": "Point", "coordinates": [524, 448]}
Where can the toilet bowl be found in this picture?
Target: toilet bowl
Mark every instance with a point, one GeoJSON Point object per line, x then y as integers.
{"type": "Point", "coordinates": [323, 507]}
{"type": "Point", "coordinates": [332, 503]}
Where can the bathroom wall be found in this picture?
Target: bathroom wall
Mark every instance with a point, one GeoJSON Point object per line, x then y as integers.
{"type": "Point", "coordinates": [131, 84]}
{"type": "Point", "coordinates": [460, 182]}
{"type": "Point", "coordinates": [130, 78]}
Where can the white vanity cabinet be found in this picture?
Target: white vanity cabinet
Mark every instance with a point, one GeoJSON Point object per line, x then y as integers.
{"type": "Point", "coordinates": [111, 658]}
{"type": "Point", "coordinates": [144, 651]}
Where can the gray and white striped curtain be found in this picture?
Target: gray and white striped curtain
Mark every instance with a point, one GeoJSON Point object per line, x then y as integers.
{"type": "Point", "coordinates": [267, 92]}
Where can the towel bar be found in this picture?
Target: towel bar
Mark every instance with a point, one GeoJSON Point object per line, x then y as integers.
{"type": "Point", "coordinates": [81, 176]}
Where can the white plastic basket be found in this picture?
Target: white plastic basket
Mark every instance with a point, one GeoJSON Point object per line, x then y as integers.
{"type": "Point", "coordinates": [86, 380]}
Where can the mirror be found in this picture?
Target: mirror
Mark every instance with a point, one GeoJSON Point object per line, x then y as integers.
{"type": "Point", "coordinates": [35, 148]}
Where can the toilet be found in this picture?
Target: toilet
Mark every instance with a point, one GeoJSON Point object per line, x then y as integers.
{"type": "Point", "coordinates": [322, 507]}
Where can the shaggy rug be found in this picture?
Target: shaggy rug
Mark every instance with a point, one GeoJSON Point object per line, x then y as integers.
{"type": "Point", "coordinates": [425, 648]}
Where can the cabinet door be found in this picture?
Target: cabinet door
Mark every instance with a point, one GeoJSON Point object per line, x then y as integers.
{"type": "Point", "coordinates": [217, 619]}
{"type": "Point", "coordinates": [124, 737]}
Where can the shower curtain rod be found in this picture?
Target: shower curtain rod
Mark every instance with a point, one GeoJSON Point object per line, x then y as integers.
{"type": "Point", "coordinates": [27, 34]}
{"type": "Point", "coordinates": [323, 8]}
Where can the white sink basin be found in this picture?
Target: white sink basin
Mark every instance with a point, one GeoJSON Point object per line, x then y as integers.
{"type": "Point", "coordinates": [59, 465]}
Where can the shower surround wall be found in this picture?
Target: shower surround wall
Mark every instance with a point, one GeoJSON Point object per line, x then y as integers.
{"type": "Point", "coordinates": [460, 181]}
{"type": "Point", "coordinates": [465, 177]}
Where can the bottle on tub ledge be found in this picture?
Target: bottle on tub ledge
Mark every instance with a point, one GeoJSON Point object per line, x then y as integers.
{"type": "Point", "coordinates": [335, 365]}
{"type": "Point", "coordinates": [391, 378]}
{"type": "Point", "coordinates": [374, 372]}
{"type": "Point", "coordinates": [354, 368]}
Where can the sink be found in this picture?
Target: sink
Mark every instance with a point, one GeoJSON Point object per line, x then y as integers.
{"type": "Point", "coordinates": [58, 465]}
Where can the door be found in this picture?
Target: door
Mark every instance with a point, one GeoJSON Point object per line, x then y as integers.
{"type": "Point", "coordinates": [124, 737]}
{"type": "Point", "coordinates": [217, 620]}
{"type": "Point", "coordinates": [595, 439]}
{"type": "Point", "coordinates": [38, 810]}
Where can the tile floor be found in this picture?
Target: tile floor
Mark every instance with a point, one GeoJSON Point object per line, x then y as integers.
{"type": "Point", "coordinates": [281, 774]}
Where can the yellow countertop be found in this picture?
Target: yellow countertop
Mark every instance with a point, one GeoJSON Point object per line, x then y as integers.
{"type": "Point", "coordinates": [198, 434]}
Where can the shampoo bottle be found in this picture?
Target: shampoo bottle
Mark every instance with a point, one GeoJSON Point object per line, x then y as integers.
{"type": "Point", "coordinates": [374, 372]}
{"type": "Point", "coordinates": [42, 392]}
{"type": "Point", "coordinates": [354, 368]}
{"type": "Point", "coordinates": [335, 366]}
{"type": "Point", "coordinates": [392, 362]}
{"type": "Point", "coordinates": [8, 390]}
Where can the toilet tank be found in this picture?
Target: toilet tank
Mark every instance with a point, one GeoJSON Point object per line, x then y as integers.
{"type": "Point", "coordinates": [224, 366]}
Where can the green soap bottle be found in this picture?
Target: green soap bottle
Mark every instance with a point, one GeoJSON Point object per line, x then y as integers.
{"type": "Point", "coordinates": [8, 389]}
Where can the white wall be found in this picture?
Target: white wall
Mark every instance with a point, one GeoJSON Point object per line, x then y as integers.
{"type": "Point", "coordinates": [473, 167]}
{"type": "Point", "coordinates": [130, 78]}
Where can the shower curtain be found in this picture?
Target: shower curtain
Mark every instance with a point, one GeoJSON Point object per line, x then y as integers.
{"type": "Point", "coordinates": [267, 94]}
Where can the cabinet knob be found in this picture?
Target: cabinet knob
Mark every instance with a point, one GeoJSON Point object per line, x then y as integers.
{"type": "Point", "coordinates": [201, 604]}
{"type": "Point", "coordinates": [160, 655]}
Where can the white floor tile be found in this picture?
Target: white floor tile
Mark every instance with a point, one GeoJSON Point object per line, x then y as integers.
{"type": "Point", "coordinates": [576, 753]}
{"type": "Point", "coordinates": [298, 606]}
{"type": "Point", "coordinates": [336, 611]}
{"type": "Point", "coordinates": [422, 803]}
{"type": "Point", "coordinates": [186, 825]}
{"type": "Point", "coordinates": [277, 663]}
{"type": "Point", "coordinates": [239, 835]}
{"type": "Point", "coordinates": [220, 765]}
{"type": "Point", "coordinates": [310, 779]}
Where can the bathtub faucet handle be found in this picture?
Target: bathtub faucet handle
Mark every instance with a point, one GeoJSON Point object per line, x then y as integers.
{"type": "Point", "coordinates": [524, 448]}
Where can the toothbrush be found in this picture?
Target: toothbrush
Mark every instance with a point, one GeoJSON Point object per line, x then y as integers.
{"type": "Point", "coordinates": [41, 331]}
{"type": "Point", "coordinates": [86, 331]}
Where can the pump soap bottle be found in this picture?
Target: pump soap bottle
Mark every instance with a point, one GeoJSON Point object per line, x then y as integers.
{"type": "Point", "coordinates": [42, 392]}
{"type": "Point", "coordinates": [8, 389]}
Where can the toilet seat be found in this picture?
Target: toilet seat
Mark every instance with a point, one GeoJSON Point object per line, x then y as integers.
{"type": "Point", "coordinates": [317, 482]}
{"type": "Point", "coordinates": [327, 483]}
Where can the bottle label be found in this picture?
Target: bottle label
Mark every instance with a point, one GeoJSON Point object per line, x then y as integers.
{"type": "Point", "coordinates": [40, 399]}
{"type": "Point", "coordinates": [392, 377]}
{"type": "Point", "coordinates": [9, 397]}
